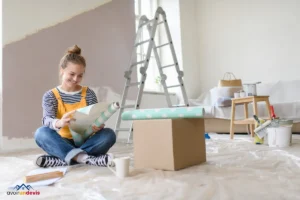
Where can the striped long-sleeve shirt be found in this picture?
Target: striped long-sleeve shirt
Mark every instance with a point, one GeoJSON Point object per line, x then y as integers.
{"type": "Point", "coordinates": [50, 103]}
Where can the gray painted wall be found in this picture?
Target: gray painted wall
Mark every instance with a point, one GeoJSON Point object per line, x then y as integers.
{"type": "Point", "coordinates": [30, 66]}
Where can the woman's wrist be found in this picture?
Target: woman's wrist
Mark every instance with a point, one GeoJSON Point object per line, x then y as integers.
{"type": "Point", "coordinates": [58, 124]}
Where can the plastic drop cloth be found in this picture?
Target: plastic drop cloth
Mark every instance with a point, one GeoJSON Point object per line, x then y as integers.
{"type": "Point", "coordinates": [235, 169]}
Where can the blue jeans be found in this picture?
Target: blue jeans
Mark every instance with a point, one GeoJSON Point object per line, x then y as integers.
{"type": "Point", "coordinates": [51, 142]}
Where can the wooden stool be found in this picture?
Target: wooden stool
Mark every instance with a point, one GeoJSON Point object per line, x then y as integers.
{"type": "Point", "coordinates": [248, 121]}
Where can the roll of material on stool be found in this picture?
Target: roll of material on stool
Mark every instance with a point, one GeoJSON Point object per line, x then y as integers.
{"type": "Point", "coordinates": [251, 88]}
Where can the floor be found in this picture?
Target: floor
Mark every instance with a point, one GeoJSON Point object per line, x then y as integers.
{"type": "Point", "coordinates": [235, 169]}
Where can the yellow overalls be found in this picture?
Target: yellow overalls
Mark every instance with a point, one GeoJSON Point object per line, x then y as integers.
{"type": "Point", "coordinates": [63, 108]}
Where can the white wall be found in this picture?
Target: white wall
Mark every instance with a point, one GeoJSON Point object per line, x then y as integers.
{"type": "Point", "coordinates": [258, 40]}
{"type": "Point", "coordinates": [189, 42]}
{"type": "Point", "coordinates": [20, 17]}
{"type": "Point", "coordinates": [1, 128]}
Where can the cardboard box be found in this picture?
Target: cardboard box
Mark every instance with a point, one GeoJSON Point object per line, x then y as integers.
{"type": "Point", "coordinates": [168, 144]}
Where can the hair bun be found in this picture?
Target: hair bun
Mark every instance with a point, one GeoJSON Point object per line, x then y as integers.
{"type": "Point", "coordinates": [74, 49]}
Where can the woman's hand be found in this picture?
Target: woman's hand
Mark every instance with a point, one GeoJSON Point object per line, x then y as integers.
{"type": "Point", "coordinates": [96, 129]}
{"type": "Point", "coordinates": [65, 120]}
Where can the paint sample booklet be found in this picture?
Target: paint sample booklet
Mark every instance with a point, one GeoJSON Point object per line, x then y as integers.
{"type": "Point", "coordinates": [96, 114]}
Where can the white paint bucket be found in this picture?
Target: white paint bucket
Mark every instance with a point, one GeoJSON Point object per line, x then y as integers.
{"type": "Point", "coordinates": [280, 137]}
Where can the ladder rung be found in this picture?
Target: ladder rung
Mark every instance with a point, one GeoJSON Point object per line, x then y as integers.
{"type": "Point", "coordinates": [163, 45]}
{"type": "Point", "coordinates": [172, 86]}
{"type": "Point", "coordinates": [134, 84]}
{"type": "Point", "coordinates": [128, 106]}
{"type": "Point", "coordinates": [143, 42]}
{"type": "Point", "coordinates": [181, 105]}
{"type": "Point", "coordinates": [168, 66]}
{"type": "Point", "coordinates": [137, 63]}
{"type": "Point", "coordinates": [160, 22]}
{"type": "Point", "coordinates": [123, 129]}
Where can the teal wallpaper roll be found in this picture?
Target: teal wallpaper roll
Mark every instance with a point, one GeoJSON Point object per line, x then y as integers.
{"type": "Point", "coordinates": [164, 113]}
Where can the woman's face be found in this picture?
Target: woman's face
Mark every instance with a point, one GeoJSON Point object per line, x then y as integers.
{"type": "Point", "coordinates": [72, 75]}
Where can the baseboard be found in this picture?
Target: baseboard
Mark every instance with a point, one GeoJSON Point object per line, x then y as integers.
{"type": "Point", "coordinates": [14, 144]}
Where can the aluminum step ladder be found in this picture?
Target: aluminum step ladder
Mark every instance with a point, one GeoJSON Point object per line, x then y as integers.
{"type": "Point", "coordinates": [151, 26]}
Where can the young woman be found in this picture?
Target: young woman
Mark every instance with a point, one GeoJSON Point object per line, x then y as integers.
{"type": "Point", "coordinates": [54, 136]}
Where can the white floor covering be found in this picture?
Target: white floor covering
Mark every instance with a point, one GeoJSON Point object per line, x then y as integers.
{"type": "Point", "coordinates": [235, 169]}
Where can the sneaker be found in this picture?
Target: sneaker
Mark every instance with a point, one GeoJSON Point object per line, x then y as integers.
{"type": "Point", "coordinates": [110, 159]}
{"type": "Point", "coordinates": [50, 161]}
{"type": "Point", "coordinates": [101, 161]}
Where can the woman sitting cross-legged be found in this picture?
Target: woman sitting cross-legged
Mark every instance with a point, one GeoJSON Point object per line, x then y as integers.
{"type": "Point", "coordinates": [54, 136]}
